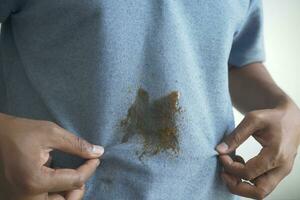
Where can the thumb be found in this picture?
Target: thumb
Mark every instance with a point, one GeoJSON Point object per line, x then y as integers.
{"type": "Point", "coordinates": [240, 134]}
{"type": "Point", "coordinates": [70, 143]}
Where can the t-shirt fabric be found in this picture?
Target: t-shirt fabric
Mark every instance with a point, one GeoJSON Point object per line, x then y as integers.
{"type": "Point", "coordinates": [148, 80]}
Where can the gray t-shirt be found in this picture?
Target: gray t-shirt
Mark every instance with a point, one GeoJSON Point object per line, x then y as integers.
{"type": "Point", "coordinates": [148, 80]}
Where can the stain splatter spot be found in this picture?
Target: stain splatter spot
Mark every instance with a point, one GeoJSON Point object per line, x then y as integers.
{"type": "Point", "coordinates": [154, 121]}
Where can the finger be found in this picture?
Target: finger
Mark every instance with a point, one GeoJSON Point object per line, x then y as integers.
{"type": "Point", "coordinates": [49, 161]}
{"type": "Point", "coordinates": [255, 167]}
{"type": "Point", "coordinates": [76, 194]}
{"type": "Point", "coordinates": [262, 186]}
{"type": "Point", "coordinates": [231, 166]}
{"type": "Point", "coordinates": [267, 182]}
{"type": "Point", "coordinates": [63, 194]}
{"type": "Point", "coordinates": [57, 180]}
{"type": "Point", "coordinates": [70, 143]}
{"type": "Point", "coordinates": [249, 125]}
{"type": "Point", "coordinates": [238, 187]}
{"type": "Point", "coordinates": [260, 164]}
{"type": "Point", "coordinates": [55, 197]}
{"type": "Point", "coordinates": [239, 159]}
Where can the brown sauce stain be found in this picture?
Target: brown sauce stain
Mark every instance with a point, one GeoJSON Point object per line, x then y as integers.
{"type": "Point", "coordinates": [154, 121]}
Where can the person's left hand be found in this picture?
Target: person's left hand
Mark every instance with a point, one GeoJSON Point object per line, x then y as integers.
{"type": "Point", "coordinates": [278, 131]}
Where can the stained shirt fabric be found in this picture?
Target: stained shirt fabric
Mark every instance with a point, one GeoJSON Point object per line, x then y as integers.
{"type": "Point", "coordinates": [81, 64]}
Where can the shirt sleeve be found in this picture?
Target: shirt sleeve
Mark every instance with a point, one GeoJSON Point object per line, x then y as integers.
{"type": "Point", "coordinates": [248, 42]}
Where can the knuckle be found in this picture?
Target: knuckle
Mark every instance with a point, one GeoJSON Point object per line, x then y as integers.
{"type": "Point", "coordinates": [27, 181]}
{"type": "Point", "coordinates": [261, 193]}
{"type": "Point", "coordinates": [251, 115]}
{"type": "Point", "coordinates": [278, 157]}
{"type": "Point", "coordinates": [231, 189]}
{"type": "Point", "coordinates": [274, 161]}
{"type": "Point", "coordinates": [51, 127]}
{"type": "Point", "coordinates": [82, 144]}
{"type": "Point", "coordinates": [288, 169]}
{"type": "Point", "coordinates": [283, 159]}
{"type": "Point", "coordinates": [236, 138]}
{"type": "Point", "coordinates": [249, 175]}
{"type": "Point", "coordinates": [29, 185]}
{"type": "Point", "coordinates": [254, 117]}
{"type": "Point", "coordinates": [79, 182]}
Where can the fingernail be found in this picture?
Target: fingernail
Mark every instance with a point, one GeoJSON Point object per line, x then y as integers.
{"type": "Point", "coordinates": [222, 148]}
{"type": "Point", "coordinates": [98, 149]}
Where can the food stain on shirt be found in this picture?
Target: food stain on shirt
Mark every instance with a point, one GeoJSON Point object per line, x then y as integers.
{"type": "Point", "coordinates": [154, 121]}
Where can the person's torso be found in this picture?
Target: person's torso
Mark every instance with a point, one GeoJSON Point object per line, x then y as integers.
{"type": "Point", "coordinates": [148, 80]}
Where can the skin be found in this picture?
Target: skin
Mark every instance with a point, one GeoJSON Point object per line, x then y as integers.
{"type": "Point", "coordinates": [24, 161]}
{"type": "Point", "coordinates": [273, 119]}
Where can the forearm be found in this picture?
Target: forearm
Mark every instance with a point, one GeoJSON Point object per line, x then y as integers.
{"type": "Point", "coordinates": [252, 88]}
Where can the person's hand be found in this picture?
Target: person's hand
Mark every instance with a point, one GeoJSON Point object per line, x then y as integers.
{"type": "Point", "coordinates": [278, 131]}
{"type": "Point", "coordinates": [76, 194]}
{"type": "Point", "coordinates": [24, 152]}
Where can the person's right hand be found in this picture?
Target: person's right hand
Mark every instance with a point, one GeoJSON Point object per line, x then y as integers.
{"type": "Point", "coordinates": [24, 151]}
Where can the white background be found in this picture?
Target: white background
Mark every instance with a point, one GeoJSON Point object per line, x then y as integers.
{"type": "Point", "coordinates": [282, 41]}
